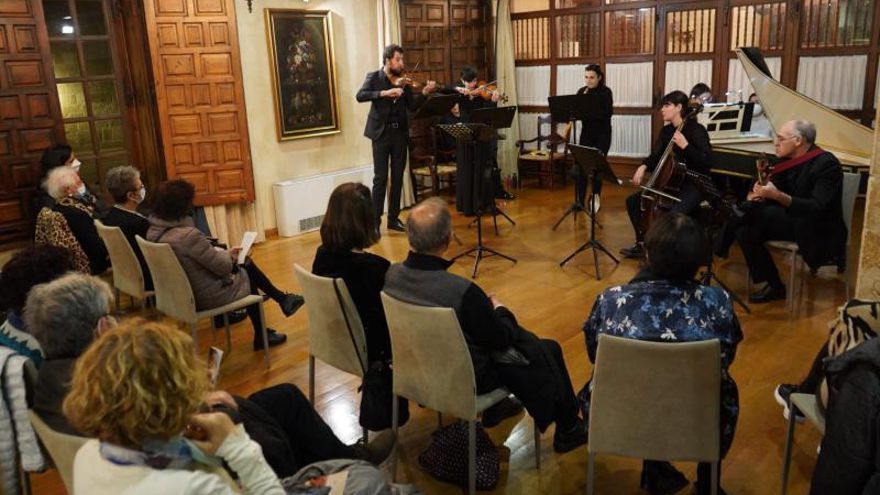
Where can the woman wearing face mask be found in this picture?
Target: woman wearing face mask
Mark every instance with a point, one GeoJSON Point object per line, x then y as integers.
{"type": "Point", "coordinates": [67, 189]}
{"type": "Point", "coordinates": [127, 189]}
{"type": "Point", "coordinates": [760, 123]}
{"type": "Point", "coordinates": [57, 156]}
{"type": "Point", "coordinates": [595, 128]}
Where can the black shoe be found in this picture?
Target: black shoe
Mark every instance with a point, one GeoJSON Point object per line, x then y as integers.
{"type": "Point", "coordinates": [377, 450]}
{"type": "Point", "coordinates": [636, 251]}
{"type": "Point", "coordinates": [661, 478]}
{"type": "Point", "coordinates": [233, 316]}
{"type": "Point", "coordinates": [507, 408]}
{"type": "Point", "coordinates": [566, 441]}
{"type": "Point", "coordinates": [767, 294]}
{"type": "Point", "coordinates": [781, 393]}
{"type": "Point", "coordinates": [505, 195]}
{"type": "Point", "coordinates": [274, 339]}
{"type": "Point", "coordinates": [291, 303]}
{"type": "Point", "coordinates": [397, 225]}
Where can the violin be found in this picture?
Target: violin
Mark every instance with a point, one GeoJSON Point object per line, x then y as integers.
{"type": "Point", "coordinates": [485, 90]}
{"type": "Point", "coordinates": [404, 80]}
{"type": "Point", "coordinates": [763, 168]}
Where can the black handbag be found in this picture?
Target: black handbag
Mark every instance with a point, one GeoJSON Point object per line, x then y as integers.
{"type": "Point", "coordinates": [446, 458]}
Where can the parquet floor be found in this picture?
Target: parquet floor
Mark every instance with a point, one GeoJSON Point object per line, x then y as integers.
{"type": "Point", "coordinates": [553, 302]}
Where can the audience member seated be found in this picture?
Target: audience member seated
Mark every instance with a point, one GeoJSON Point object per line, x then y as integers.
{"type": "Point", "coordinates": [29, 267]}
{"type": "Point", "coordinates": [348, 228]}
{"type": "Point", "coordinates": [66, 187]}
{"type": "Point", "coordinates": [57, 156]}
{"type": "Point", "coordinates": [849, 461]}
{"type": "Point", "coordinates": [801, 202]}
{"type": "Point", "coordinates": [504, 354]}
{"type": "Point", "coordinates": [663, 303]}
{"type": "Point", "coordinates": [64, 313]}
{"type": "Point", "coordinates": [127, 189]}
{"type": "Point", "coordinates": [139, 390]}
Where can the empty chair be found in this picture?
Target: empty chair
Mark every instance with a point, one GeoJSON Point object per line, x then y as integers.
{"type": "Point", "coordinates": [657, 401]}
{"type": "Point", "coordinates": [433, 366]}
{"type": "Point", "coordinates": [128, 276]}
{"type": "Point", "coordinates": [174, 295]}
{"type": "Point", "coordinates": [808, 405]}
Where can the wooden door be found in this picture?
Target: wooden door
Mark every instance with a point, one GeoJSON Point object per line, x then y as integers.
{"type": "Point", "coordinates": [200, 97]}
{"type": "Point", "coordinates": [29, 113]}
{"type": "Point", "coordinates": [467, 27]}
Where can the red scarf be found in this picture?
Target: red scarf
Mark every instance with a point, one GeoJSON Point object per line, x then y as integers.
{"type": "Point", "coordinates": [795, 162]}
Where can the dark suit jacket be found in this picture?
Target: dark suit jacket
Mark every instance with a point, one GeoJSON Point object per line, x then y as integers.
{"type": "Point", "coordinates": [374, 84]}
{"type": "Point", "coordinates": [131, 224]}
{"type": "Point", "coordinates": [596, 129]}
{"type": "Point", "coordinates": [815, 189]}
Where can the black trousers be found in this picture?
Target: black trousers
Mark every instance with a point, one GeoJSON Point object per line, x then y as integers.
{"type": "Point", "coordinates": [690, 196]}
{"type": "Point", "coordinates": [259, 282]}
{"type": "Point", "coordinates": [391, 145]}
{"type": "Point", "coordinates": [762, 222]}
{"type": "Point", "coordinates": [704, 474]}
{"type": "Point", "coordinates": [306, 434]}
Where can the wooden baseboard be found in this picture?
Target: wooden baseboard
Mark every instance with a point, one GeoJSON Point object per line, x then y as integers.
{"type": "Point", "coordinates": [271, 233]}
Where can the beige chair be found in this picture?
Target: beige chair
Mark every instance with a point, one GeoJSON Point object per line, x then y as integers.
{"type": "Point", "coordinates": [656, 400]}
{"type": "Point", "coordinates": [807, 404]}
{"type": "Point", "coordinates": [334, 327]}
{"type": "Point", "coordinates": [433, 367]}
{"type": "Point", "coordinates": [128, 275]}
{"type": "Point", "coordinates": [174, 295]}
{"type": "Point", "coordinates": [61, 447]}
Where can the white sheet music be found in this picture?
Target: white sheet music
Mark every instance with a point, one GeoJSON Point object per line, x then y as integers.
{"type": "Point", "coordinates": [247, 241]}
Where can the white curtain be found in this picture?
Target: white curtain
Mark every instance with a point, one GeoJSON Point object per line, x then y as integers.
{"type": "Point", "coordinates": [737, 80]}
{"type": "Point", "coordinates": [630, 136]}
{"type": "Point", "coordinates": [838, 81]}
{"type": "Point", "coordinates": [228, 223]}
{"type": "Point", "coordinates": [388, 15]}
{"type": "Point", "coordinates": [569, 78]}
{"type": "Point", "coordinates": [683, 75]}
{"type": "Point", "coordinates": [630, 83]}
{"type": "Point", "coordinates": [532, 84]}
{"type": "Point", "coordinates": [506, 74]}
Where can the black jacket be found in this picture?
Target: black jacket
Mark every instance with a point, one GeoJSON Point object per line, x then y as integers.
{"type": "Point", "coordinates": [374, 84]}
{"type": "Point", "coordinates": [364, 276]}
{"type": "Point", "coordinates": [596, 128]}
{"type": "Point", "coordinates": [815, 189]}
{"type": "Point", "coordinates": [849, 463]}
{"type": "Point", "coordinates": [82, 224]}
{"type": "Point", "coordinates": [132, 224]}
{"type": "Point", "coordinates": [697, 156]}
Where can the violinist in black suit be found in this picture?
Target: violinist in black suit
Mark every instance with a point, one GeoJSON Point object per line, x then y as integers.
{"type": "Point", "coordinates": [391, 96]}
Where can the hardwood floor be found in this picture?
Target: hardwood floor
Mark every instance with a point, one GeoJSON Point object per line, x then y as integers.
{"type": "Point", "coordinates": [553, 302]}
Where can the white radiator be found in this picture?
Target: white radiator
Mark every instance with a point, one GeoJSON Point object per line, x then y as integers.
{"type": "Point", "coordinates": [300, 203]}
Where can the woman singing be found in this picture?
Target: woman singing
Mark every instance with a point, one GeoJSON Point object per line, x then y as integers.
{"type": "Point", "coordinates": [595, 128]}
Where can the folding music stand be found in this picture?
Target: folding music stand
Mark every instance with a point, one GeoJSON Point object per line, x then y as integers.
{"type": "Point", "coordinates": [496, 118]}
{"type": "Point", "coordinates": [436, 106]}
{"type": "Point", "coordinates": [592, 164]}
{"type": "Point", "coordinates": [472, 134]}
{"type": "Point", "coordinates": [569, 108]}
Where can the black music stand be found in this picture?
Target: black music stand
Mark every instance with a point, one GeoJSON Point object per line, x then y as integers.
{"type": "Point", "coordinates": [436, 106]}
{"type": "Point", "coordinates": [569, 108]}
{"type": "Point", "coordinates": [592, 163]}
{"type": "Point", "coordinates": [472, 134]}
{"type": "Point", "coordinates": [496, 118]}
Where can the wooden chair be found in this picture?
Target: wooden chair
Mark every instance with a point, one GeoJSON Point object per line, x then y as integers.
{"type": "Point", "coordinates": [174, 295]}
{"type": "Point", "coordinates": [61, 447]}
{"type": "Point", "coordinates": [545, 160]}
{"type": "Point", "coordinates": [433, 367]}
{"type": "Point", "coordinates": [128, 275]}
{"type": "Point", "coordinates": [807, 404]}
{"type": "Point", "coordinates": [425, 161]}
{"type": "Point", "coordinates": [334, 327]}
{"type": "Point", "coordinates": [654, 400]}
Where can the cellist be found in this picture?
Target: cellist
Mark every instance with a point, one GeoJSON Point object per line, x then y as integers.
{"type": "Point", "coordinates": [691, 147]}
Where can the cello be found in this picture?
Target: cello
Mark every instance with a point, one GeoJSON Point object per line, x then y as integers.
{"type": "Point", "coordinates": [663, 188]}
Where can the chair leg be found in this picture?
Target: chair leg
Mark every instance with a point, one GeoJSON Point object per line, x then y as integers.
{"type": "Point", "coordinates": [312, 380]}
{"type": "Point", "coordinates": [789, 439]}
{"type": "Point", "coordinates": [714, 478]}
{"type": "Point", "coordinates": [265, 336]}
{"type": "Point", "coordinates": [228, 336]}
{"type": "Point", "coordinates": [472, 457]}
{"type": "Point", "coordinates": [591, 461]}
{"type": "Point", "coordinates": [394, 420]}
{"type": "Point", "coordinates": [792, 278]}
{"type": "Point", "coordinates": [537, 445]}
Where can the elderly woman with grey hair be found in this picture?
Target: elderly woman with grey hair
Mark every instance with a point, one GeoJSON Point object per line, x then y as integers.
{"type": "Point", "coordinates": [127, 189]}
{"type": "Point", "coordinates": [68, 190]}
{"type": "Point", "coordinates": [64, 315]}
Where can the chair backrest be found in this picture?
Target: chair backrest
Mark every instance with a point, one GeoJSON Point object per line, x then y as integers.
{"type": "Point", "coordinates": [848, 199]}
{"type": "Point", "coordinates": [174, 295]}
{"type": "Point", "coordinates": [432, 363]}
{"type": "Point", "coordinates": [61, 447]}
{"type": "Point", "coordinates": [128, 276]}
{"type": "Point", "coordinates": [654, 400]}
{"type": "Point", "coordinates": [329, 303]}
{"type": "Point", "coordinates": [553, 139]}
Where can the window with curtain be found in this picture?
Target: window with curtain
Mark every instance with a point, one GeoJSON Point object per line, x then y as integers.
{"type": "Point", "coordinates": [578, 35]}
{"type": "Point", "coordinates": [690, 31]}
{"type": "Point", "coordinates": [629, 32]}
{"type": "Point", "coordinates": [761, 25]}
{"type": "Point", "coordinates": [531, 38]}
{"type": "Point", "coordinates": [836, 23]}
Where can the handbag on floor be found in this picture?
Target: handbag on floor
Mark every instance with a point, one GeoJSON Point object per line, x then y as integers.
{"type": "Point", "coordinates": [376, 400]}
{"type": "Point", "coordinates": [446, 458]}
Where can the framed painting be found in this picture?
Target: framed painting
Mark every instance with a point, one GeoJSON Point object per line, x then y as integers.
{"type": "Point", "coordinates": [303, 73]}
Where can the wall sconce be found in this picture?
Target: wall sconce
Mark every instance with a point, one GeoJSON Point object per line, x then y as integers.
{"type": "Point", "coordinates": [250, 4]}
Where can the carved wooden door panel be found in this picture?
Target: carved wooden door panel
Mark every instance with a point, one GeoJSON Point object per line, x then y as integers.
{"type": "Point", "coordinates": [425, 36]}
{"type": "Point", "coordinates": [467, 27]}
{"type": "Point", "coordinates": [200, 97]}
{"type": "Point", "coordinates": [29, 112]}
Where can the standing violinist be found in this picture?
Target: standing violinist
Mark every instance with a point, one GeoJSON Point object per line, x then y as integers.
{"type": "Point", "coordinates": [391, 96]}
{"type": "Point", "coordinates": [690, 147]}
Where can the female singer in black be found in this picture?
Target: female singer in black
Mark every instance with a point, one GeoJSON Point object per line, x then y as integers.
{"type": "Point", "coordinates": [595, 128]}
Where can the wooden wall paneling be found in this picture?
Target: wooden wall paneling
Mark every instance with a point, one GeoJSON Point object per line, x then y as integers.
{"type": "Point", "coordinates": [30, 115]}
{"type": "Point", "coordinates": [200, 97]}
{"type": "Point", "coordinates": [426, 39]}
